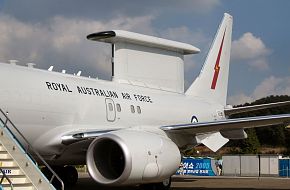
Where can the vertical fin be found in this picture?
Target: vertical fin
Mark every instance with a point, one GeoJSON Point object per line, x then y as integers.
{"type": "Point", "coordinates": [212, 82]}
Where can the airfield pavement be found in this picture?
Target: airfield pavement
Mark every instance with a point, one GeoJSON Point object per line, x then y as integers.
{"type": "Point", "coordinates": [200, 183]}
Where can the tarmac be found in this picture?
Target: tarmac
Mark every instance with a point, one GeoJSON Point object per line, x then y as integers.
{"type": "Point", "coordinates": [200, 183]}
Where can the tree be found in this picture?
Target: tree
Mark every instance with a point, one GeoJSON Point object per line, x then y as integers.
{"type": "Point", "coordinates": [274, 135]}
{"type": "Point", "coordinates": [250, 145]}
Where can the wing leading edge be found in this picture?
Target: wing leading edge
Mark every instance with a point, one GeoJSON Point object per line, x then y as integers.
{"type": "Point", "coordinates": [232, 111]}
{"type": "Point", "coordinates": [212, 134]}
{"type": "Point", "coordinates": [215, 134]}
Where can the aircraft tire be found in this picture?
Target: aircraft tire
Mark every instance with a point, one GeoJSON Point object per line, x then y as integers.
{"type": "Point", "coordinates": [70, 175]}
{"type": "Point", "coordinates": [48, 175]}
{"type": "Point", "coordinates": [164, 185]}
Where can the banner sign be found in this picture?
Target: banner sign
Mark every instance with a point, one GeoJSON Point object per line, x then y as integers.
{"type": "Point", "coordinates": [198, 167]}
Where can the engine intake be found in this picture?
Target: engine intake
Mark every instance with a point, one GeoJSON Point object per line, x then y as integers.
{"type": "Point", "coordinates": [132, 157]}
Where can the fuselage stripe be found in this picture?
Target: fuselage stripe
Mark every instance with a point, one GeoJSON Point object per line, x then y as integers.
{"type": "Point", "coordinates": [217, 66]}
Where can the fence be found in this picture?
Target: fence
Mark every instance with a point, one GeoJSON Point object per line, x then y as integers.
{"type": "Point", "coordinates": [237, 165]}
{"type": "Point", "coordinates": [252, 165]}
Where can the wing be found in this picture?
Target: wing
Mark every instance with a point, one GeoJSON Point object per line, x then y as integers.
{"type": "Point", "coordinates": [212, 134]}
{"type": "Point", "coordinates": [229, 124]}
{"type": "Point", "coordinates": [215, 134]}
{"type": "Point", "coordinates": [231, 111]}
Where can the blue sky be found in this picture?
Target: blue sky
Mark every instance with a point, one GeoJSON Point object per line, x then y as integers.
{"type": "Point", "coordinates": [53, 33]}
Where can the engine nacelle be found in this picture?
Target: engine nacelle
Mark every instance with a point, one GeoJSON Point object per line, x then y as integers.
{"type": "Point", "coordinates": [235, 134]}
{"type": "Point", "coordinates": [132, 157]}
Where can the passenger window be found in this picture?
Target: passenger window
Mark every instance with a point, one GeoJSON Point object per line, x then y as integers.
{"type": "Point", "coordinates": [132, 109]}
{"type": "Point", "coordinates": [110, 107]}
{"type": "Point", "coordinates": [139, 109]}
{"type": "Point", "coordinates": [118, 107]}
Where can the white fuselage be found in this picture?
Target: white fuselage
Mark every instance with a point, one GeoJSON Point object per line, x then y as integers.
{"type": "Point", "coordinates": [46, 105]}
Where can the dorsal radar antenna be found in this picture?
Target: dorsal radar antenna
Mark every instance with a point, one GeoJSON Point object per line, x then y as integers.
{"type": "Point", "coordinates": [141, 59]}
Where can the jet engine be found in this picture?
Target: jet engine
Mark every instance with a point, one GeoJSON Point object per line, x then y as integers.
{"type": "Point", "coordinates": [132, 157]}
{"type": "Point", "coordinates": [235, 134]}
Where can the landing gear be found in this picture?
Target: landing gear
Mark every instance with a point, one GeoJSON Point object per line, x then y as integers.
{"type": "Point", "coordinates": [164, 185]}
{"type": "Point", "coordinates": [68, 175]}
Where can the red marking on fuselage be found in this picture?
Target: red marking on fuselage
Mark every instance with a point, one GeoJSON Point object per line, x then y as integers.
{"type": "Point", "coordinates": [217, 65]}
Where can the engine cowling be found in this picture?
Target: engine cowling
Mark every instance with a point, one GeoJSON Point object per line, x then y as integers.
{"type": "Point", "coordinates": [132, 157]}
{"type": "Point", "coordinates": [234, 134]}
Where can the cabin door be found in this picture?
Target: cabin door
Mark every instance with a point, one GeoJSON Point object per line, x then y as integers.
{"type": "Point", "coordinates": [110, 109]}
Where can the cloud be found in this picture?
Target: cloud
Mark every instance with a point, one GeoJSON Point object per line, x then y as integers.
{"type": "Point", "coordinates": [184, 34]}
{"type": "Point", "coordinates": [39, 10]}
{"type": "Point", "coordinates": [61, 42]}
{"type": "Point", "coordinates": [272, 86]}
{"type": "Point", "coordinates": [239, 99]}
{"type": "Point", "coordinates": [260, 64]}
{"type": "Point", "coordinates": [248, 47]}
{"type": "Point", "coordinates": [194, 37]}
{"type": "Point", "coordinates": [197, 6]}
{"type": "Point", "coordinates": [53, 33]}
{"type": "Point", "coordinates": [269, 86]}
{"type": "Point", "coordinates": [252, 50]}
